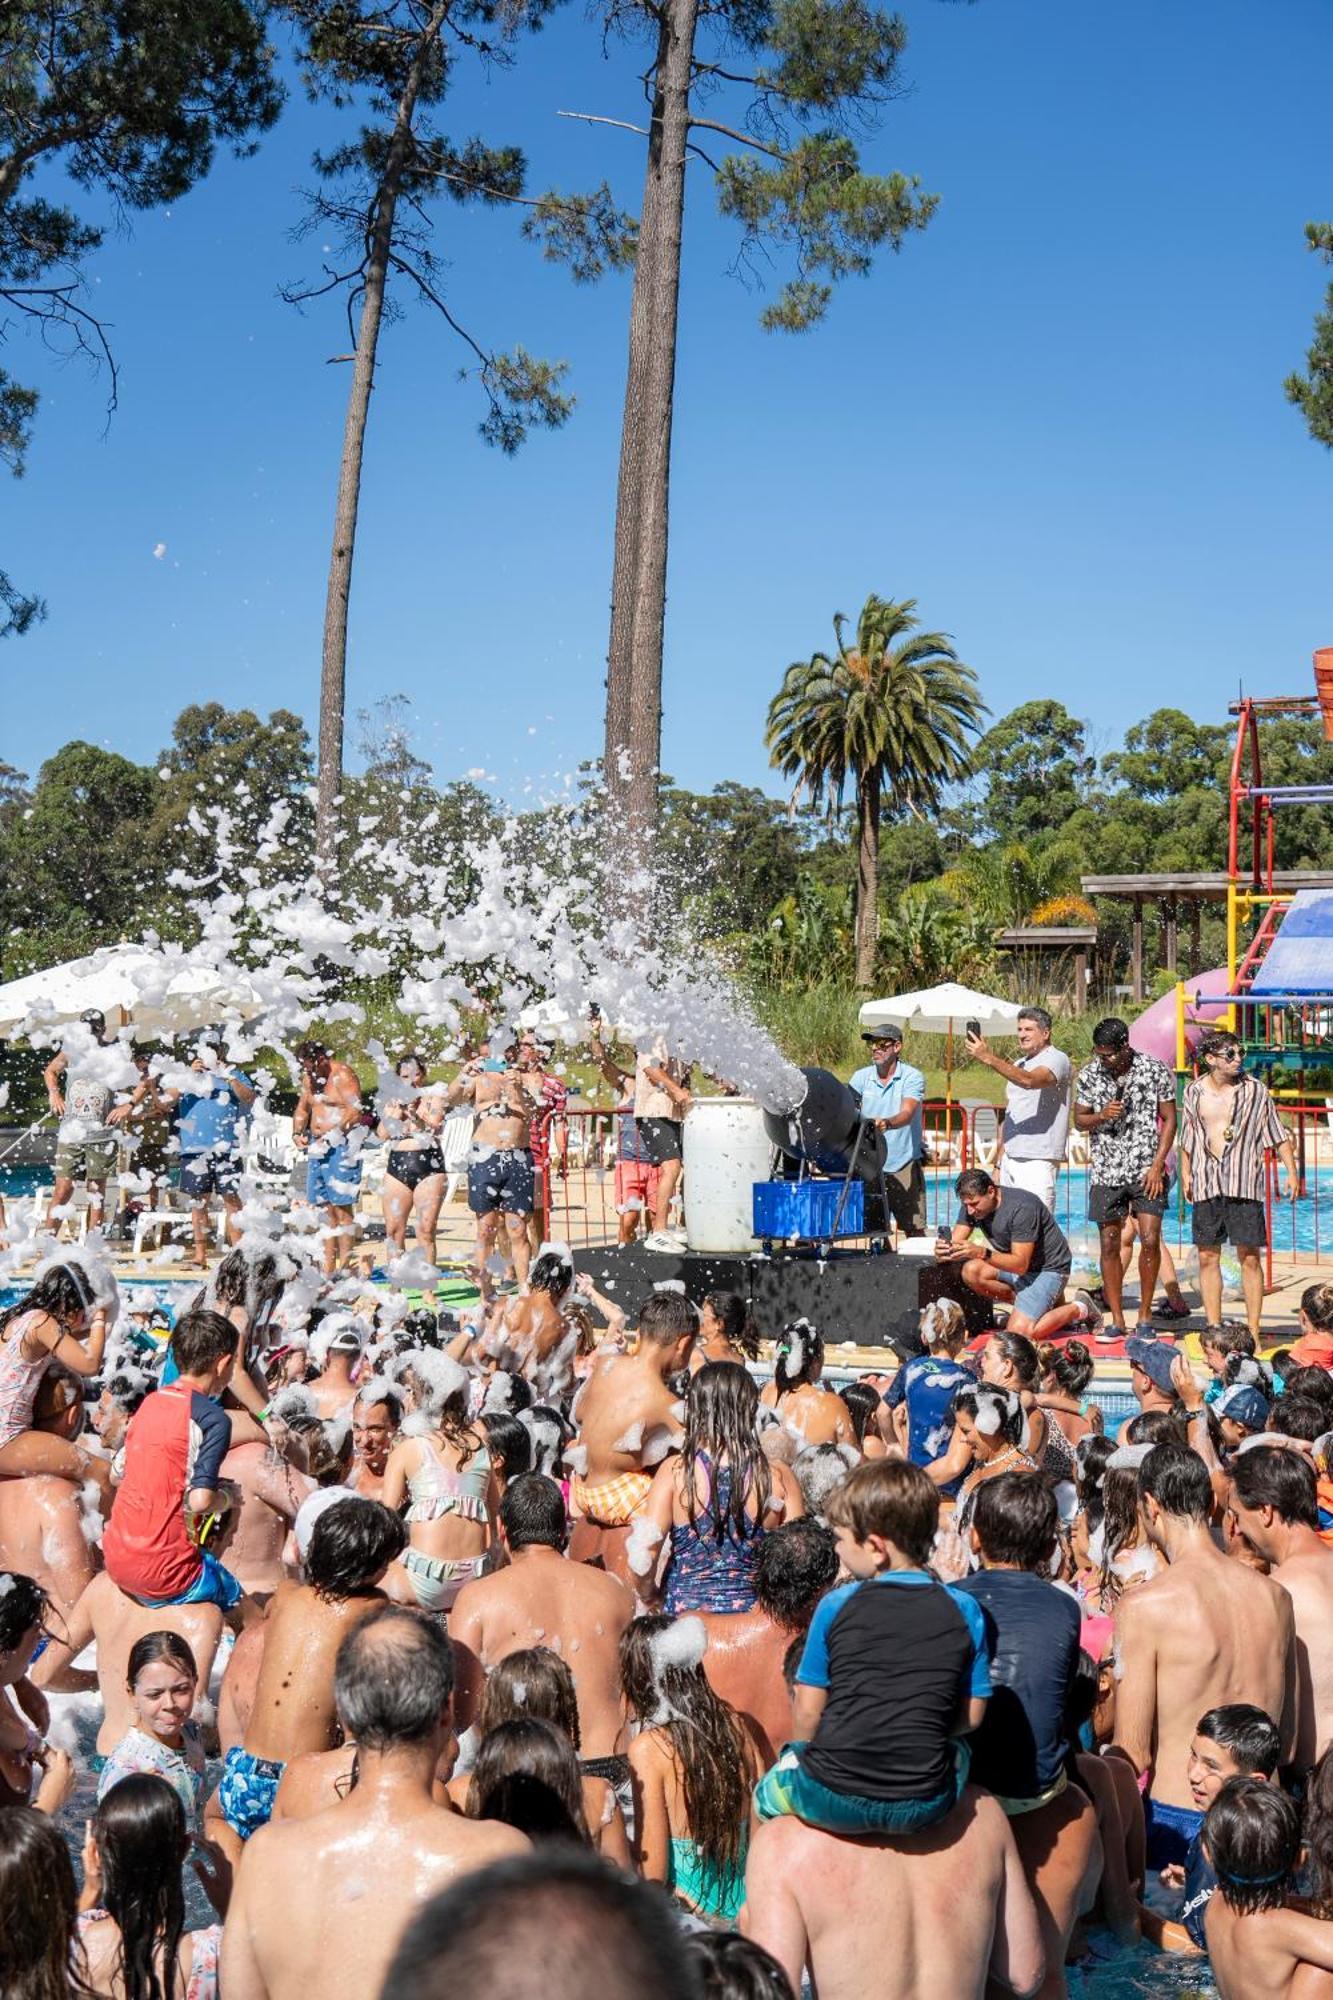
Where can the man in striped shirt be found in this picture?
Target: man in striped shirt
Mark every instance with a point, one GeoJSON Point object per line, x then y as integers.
{"type": "Point", "coordinates": [1227, 1121]}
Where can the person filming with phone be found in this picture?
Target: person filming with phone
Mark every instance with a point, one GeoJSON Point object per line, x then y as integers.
{"type": "Point", "coordinates": [1034, 1134]}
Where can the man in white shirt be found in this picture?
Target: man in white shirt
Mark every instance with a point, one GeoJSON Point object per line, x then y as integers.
{"type": "Point", "coordinates": [1035, 1133]}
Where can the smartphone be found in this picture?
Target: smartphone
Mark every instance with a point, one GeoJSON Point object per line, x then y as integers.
{"type": "Point", "coordinates": [944, 1234]}
{"type": "Point", "coordinates": [973, 1029]}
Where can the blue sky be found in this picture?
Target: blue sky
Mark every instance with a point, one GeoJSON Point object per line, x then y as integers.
{"type": "Point", "coordinates": [1056, 419]}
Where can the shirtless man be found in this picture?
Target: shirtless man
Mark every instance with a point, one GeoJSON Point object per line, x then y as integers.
{"type": "Point", "coordinates": [628, 1418]}
{"type": "Point", "coordinates": [268, 1492]}
{"type": "Point", "coordinates": [106, 1617]}
{"type": "Point", "coordinates": [326, 1123]}
{"type": "Point", "coordinates": [333, 1391]}
{"type": "Point", "coordinates": [376, 1420]}
{"type": "Point", "coordinates": [46, 1521]}
{"type": "Point", "coordinates": [320, 1903]}
{"type": "Point", "coordinates": [544, 1599]}
{"type": "Point", "coordinates": [532, 1326]}
{"type": "Point", "coordinates": [501, 1178]}
{"type": "Point", "coordinates": [746, 1650]}
{"type": "Point", "coordinates": [353, 1543]}
{"type": "Point", "coordinates": [1206, 1631]}
{"type": "Point", "coordinates": [1273, 1503]}
{"type": "Point", "coordinates": [889, 1915]}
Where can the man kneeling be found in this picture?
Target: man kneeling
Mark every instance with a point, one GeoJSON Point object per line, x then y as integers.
{"type": "Point", "coordinates": [1024, 1262]}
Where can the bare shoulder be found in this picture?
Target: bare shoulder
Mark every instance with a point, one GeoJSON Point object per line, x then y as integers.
{"type": "Point", "coordinates": [472, 1843]}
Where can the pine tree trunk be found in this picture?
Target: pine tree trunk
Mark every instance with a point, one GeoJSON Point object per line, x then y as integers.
{"type": "Point", "coordinates": [638, 586]}
{"type": "Point", "coordinates": [333, 673]}
{"type": "Point", "coordinates": [867, 880]}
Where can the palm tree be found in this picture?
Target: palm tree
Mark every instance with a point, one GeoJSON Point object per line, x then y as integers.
{"type": "Point", "coordinates": [891, 716]}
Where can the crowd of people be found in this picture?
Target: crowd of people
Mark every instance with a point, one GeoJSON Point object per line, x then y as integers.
{"type": "Point", "coordinates": [378, 1625]}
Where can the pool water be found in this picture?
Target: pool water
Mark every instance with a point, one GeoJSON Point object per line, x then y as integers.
{"type": "Point", "coordinates": [1113, 1972]}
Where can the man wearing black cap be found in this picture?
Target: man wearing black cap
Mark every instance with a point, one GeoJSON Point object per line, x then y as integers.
{"type": "Point", "coordinates": [85, 1142]}
{"type": "Point", "coordinates": [890, 1093]}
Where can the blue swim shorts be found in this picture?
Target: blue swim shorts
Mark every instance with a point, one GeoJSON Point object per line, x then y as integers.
{"type": "Point", "coordinates": [247, 1790]}
{"type": "Point", "coordinates": [333, 1175]}
{"type": "Point", "coordinates": [501, 1177]}
{"type": "Point", "coordinates": [789, 1788]}
{"type": "Point", "coordinates": [214, 1584]}
{"type": "Point", "coordinates": [1170, 1831]}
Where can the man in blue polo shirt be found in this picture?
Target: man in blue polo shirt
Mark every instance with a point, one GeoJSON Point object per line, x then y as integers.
{"type": "Point", "coordinates": [208, 1133]}
{"type": "Point", "coordinates": [890, 1093]}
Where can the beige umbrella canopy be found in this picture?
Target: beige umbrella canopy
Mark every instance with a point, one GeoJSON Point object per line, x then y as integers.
{"type": "Point", "coordinates": [943, 1010]}
{"type": "Point", "coordinates": [161, 992]}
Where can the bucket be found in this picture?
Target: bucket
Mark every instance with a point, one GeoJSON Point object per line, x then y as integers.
{"type": "Point", "coordinates": [726, 1151]}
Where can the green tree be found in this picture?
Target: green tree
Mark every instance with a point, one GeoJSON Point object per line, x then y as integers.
{"type": "Point", "coordinates": [731, 854]}
{"type": "Point", "coordinates": [1166, 754]}
{"type": "Point", "coordinates": [1032, 769]}
{"type": "Point", "coordinates": [395, 59]}
{"type": "Point", "coordinates": [1313, 393]}
{"type": "Point", "coordinates": [929, 939]}
{"type": "Point", "coordinates": [891, 716]}
{"type": "Point", "coordinates": [788, 83]}
{"type": "Point", "coordinates": [1002, 883]}
{"type": "Point", "coordinates": [130, 98]}
{"type": "Point", "coordinates": [75, 869]}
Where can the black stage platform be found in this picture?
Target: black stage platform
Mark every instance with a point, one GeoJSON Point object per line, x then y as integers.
{"type": "Point", "coordinates": [873, 1301]}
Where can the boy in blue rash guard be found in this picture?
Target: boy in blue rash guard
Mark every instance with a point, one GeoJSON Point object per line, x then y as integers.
{"type": "Point", "coordinates": [894, 1671]}
{"type": "Point", "coordinates": [1235, 1741]}
{"type": "Point", "coordinates": [921, 1393]}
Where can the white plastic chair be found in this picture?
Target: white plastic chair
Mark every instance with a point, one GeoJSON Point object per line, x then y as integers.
{"type": "Point", "coordinates": [455, 1144]}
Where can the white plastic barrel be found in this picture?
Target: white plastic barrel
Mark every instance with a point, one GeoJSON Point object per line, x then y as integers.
{"type": "Point", "coordinates": [726, 1151]}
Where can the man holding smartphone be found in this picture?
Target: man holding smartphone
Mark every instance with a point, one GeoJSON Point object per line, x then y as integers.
{"type": "Point", "coordinates": [1034, 1135]}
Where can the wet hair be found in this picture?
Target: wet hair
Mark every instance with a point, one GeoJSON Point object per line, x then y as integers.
{"type": "Point", "coordinates": [1317, 1305]}
{"type": "Point", "coordinates": [532, 1682]}
{"type": "Point", "coordinates": [410, 1056]}
{"type": "Point", "coordinates": [38, 1910]}
{"type": "Point", "coordinates": [819, 1470]}
{"type": "Point", "coordinates": [1021, 1355]}
{"type": "Point", "coordinates": [1298, 1417]}
{"type": "Point", "coordinates": [1110, 1034]}
{"type": "Point", "coordinates": [721, 1425]}
{"type": "Point", "coordinates": [972, 1181]}
{"type": "Point", "coordinates": [551, 1272]}
{"type": "Point", "coordinates": [1177, 1479]}
{"type": "Point", "coordinates": [326, 1461]}
{"type": "Point", "coordinates": [351, 1546]}
{"type": "Point", "coordinates": [708, 1742]}
{"type": "Point", "coordinates": [64, 1292]}
{"type": "Point", "coordinates": [142, 1839]}
{"type": "Point", "coordinates": [666, 1319]}
{"type": "Point", "coordinates": [1010, 1410]}
{"type": "Point", "coordinates": [943, 1323]}
{"type": "Point", "coordinates": [448, 1413]}
{"type": "Point", "coordinates": [556, 1924]}
{"type": "Point", "coordinates": [862, 1400]}
{"type": "Point", "coordinates": [1157, 1427]}
{"type": "Point", "coordinates": [733, 1315]}
{"type": "Point", "coordinates": [200, 1339]}
{"type": "Point", "coordinates": [1120, 1525]}
{"type": "Point", "coordinates": [796, 1564]}
{"type": "Point", "coordinates": [533, 1514]}
{"type": "Point", "coordinates": [127, 1391]}
{"type": "Point", "coordinates": [421, 1327]}
{"type": "Point", "coordinates": [1016, 1519]}
{"type": "Point", "coordinates": [1252, 1832]}
{"type": "Point", "coordinates": [1271, 1476]}
{"type": "Point", "coordinates": [508, 1441]}
{"type": "Point", "coordinates": [526, 1774]}
{"type": "Point", "coordinates": [1313, 1385]}
{"type": "Point", "coordinates": [1319, 1834]}
{"type": "Point", "coordinates": [393, 1676]}
{"type": "Point", "coordinates": [308, 1053]}
{"type": "Point", "coordinates": [252, 1281]}
{"type": "Point", "coordinates": [550, 1432]}
{"type": "Point", "coordinates": [1071, 1368]}
{"type": "Point", "coordinates": [155, 1646]}
{"type": "Point", "coordinates": [376, 1392]}
{"type": "Point", "coordinates": [889, 1497]}
{"type": "Point", "coordinates": [731, 1967]}
{"type": "Point", "coordinates": [1091, 1456]}
{"type": "Point", "coordinates": [1248, 1733]}
{"type": "Point", "coordinates": [802, 1339]}
{"type": "Point", "coordinates": [22, 1605]}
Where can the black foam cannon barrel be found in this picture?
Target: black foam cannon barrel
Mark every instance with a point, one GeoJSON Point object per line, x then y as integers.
{"type": "Point", "coordinates": [822, 1130]}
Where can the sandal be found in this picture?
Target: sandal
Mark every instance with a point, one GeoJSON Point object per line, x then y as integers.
{"type": "Point", "coordinates": [1168, 1309]}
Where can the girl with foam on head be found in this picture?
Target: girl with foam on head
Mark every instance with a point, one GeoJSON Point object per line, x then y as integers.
{"type": "Point", "coordinates": [441, 1468]}
{"type": "Point", "coordinates": [814, 1413]}
{"type": "Point", "coordinates": [64, 1319]}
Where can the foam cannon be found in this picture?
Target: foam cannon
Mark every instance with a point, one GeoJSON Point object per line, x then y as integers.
{"type": "Point", "coordinates": [824, 1129]}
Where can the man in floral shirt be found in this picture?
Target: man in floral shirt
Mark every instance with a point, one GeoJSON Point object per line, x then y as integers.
{"type": "Point", "coordinates": [1126, 1102]}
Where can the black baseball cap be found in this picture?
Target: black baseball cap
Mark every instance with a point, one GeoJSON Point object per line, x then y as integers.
{"type": "Point", "coordinates": [890, 1032]}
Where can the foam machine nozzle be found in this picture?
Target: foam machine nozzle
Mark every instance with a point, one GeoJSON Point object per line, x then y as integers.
{"type": "Point", "coordinates": [823, 1128]}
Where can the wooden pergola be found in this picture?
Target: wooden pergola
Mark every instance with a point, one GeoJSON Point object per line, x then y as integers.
{"type": "Point", "coordinates": [1078, 939]}
{"type": "Point", "coordinates": [1182, 895]}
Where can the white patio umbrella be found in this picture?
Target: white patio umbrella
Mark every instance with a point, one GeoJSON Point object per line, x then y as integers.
{"type": "Point", "coordinates": [163, 992]}
{"type": "Point", "coordinates": [943, 1010]}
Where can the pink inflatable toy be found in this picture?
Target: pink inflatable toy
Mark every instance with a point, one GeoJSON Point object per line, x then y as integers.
{"type": "Point", "coordinates": [1155, 1030]}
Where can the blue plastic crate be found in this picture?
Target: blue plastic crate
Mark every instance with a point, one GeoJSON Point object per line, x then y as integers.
{"type": "Point", "coordinates": [783, 1209]}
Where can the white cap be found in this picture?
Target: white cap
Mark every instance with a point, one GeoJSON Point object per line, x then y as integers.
{"type": "Point", "coordinates": [310, 1509]}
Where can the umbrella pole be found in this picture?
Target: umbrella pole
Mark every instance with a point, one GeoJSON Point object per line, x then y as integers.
{"type": "Point", "coordinates": [948, 1090]}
